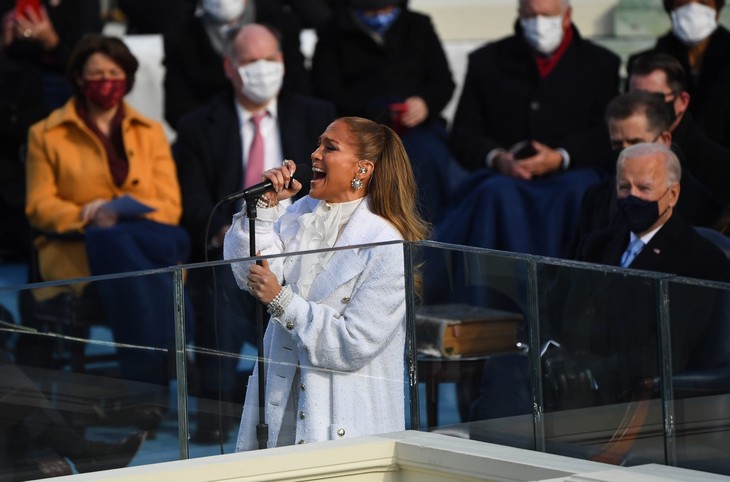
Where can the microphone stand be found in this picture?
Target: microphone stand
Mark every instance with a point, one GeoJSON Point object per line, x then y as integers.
{"type": "Point", "coordinates": [262, 429]}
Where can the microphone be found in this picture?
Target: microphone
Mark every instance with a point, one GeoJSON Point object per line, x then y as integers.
{"type": "Point", "coordinates": [254, 191]}
{"type": "Point", "coordinates": [250, 192]}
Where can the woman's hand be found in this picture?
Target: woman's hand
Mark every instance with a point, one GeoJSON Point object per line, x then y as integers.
{"type": "Point", "coordinates": [416, 113]}
{"type": "Point", "coordinates": [95, 213]}
{"type": "Point", "coordinates": [262, 283]}
{"type": "Point", "coordinates": [285, 186]}
{"type": "Point", "coordinates": [36, 26]}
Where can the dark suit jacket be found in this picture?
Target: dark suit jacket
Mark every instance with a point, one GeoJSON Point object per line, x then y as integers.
{"type": "Point", "coordinates": [710, 87]}
{"type": "Point", "coordinates": [208, 156]}
{"type": "Point", "coordinates": [676, 248]}
{"type": "Point", "coordinates": [361, 76]}
{"type": "Point", "coordinates": [707, 160]}
{"type": "Point", "coordinates": [504, 101]}
{"type": "Point", "coordinates": [705, 177]}
{"type": "Point", "coordinates": [608, 321]}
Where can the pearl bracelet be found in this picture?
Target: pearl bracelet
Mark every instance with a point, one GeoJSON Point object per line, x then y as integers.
{"type": "Point", "coordinates": [277, 306]}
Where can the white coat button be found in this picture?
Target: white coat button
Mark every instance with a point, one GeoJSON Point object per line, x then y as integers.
{"type": "Point", "coordinates": [302, 415]}
{"type": "Point", "coordinates": [289, 325]}
{"type": "Point", "coordinates": [341, 432]}
{"type": "Point", "coordinates": [345, 300]}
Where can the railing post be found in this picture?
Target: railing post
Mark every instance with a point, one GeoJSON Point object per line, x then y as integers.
{"type": "Point", "coordinates": [181, 365]}
{"type": "Point", "coordinates": [411, 354]}
{"type": "Point", "coordinates": [665, 370]}
{"type": "Point", "coordinates": [533, 317]}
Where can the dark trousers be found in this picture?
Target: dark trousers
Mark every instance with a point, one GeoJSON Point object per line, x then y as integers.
{"type": "Point", "coordinates": [140, 308]}
{"type": "Point", "coordinates": [226, 317]}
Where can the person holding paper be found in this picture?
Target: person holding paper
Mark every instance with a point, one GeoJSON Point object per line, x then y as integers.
{"type": "Point", "coordinates": [102, 193]}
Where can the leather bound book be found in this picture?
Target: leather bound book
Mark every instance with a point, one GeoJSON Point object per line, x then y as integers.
{"type": "Point", "coordinates": [460, 330]}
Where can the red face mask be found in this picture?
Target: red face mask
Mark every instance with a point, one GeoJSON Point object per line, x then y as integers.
{"type": "Point", "coordinates": [106, 93]}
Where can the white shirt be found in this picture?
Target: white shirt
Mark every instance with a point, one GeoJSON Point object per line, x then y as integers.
{"type": "Point", "coordinates": [645, 238]}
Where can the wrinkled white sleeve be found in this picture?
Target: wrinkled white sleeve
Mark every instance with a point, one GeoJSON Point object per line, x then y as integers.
{"type": "Point", "coordinates": [237, 244]}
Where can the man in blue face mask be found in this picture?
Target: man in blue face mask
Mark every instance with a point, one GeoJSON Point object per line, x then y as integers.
{"type": "Point", "coordinates": [377, 16]}
{"type": "Point", "coordinates": [381, 60]}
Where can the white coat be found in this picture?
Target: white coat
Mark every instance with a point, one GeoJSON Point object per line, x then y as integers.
{"type": "Point", "coordinates": [348, 337]}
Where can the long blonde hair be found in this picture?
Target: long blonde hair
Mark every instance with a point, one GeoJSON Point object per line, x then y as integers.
{"type": "Point", "coordinates": [392, 187]}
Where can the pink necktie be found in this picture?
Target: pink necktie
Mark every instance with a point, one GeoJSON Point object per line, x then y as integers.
{"type": "Point", "coordinates": [255, 164]}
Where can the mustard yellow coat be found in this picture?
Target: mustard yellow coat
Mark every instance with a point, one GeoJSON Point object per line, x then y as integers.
{"type": "Point", "coordinates": [67, 167]}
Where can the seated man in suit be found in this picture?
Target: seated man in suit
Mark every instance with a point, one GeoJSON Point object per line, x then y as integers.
{"type": "Point", "coordinates": [706, 161]}
{"type": "Point", "coordinates": [604, 323]}
{"type": "Point", "coordinates": [635, 117]}
{"type": "Point", "coordinates": [221, 148]}
{"type": "Point", "coordinates": [651, 238]}
{"type": "Point", "coordinates": [530, 123]}
{"type": "Point", "coordinates": [381, 60]}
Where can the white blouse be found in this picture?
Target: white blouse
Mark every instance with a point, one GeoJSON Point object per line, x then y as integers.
{"type": "Point", "coordinates": [318, 230]}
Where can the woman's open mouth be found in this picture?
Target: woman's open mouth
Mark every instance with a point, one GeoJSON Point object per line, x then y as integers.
{"type": "Point", "coordinates": [318, 174]}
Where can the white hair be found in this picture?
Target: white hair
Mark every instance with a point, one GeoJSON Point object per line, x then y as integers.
{"type": "Point", "coordinates": [671, 161]}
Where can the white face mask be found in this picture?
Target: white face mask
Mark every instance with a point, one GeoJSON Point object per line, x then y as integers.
{"type": "Point", "coordinates": [542, 33]}
{"type": "Point", "coordinates": [223, 11]}
{"type": "Point", "coordinates": [261, 80]}
{"type": "Point", "coordinates": [693, 23]}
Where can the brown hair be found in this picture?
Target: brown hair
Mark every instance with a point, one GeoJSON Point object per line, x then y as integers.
{"type": "Point", "coordinates": [644, 103]}
{"type": "Point", "coordinates": [112, 47]}
{"type": "Point", "coordinates": [647, 63]}
{"type": "Point", "coordinates": [392, 188]}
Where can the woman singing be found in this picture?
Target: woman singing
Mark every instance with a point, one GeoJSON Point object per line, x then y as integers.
{"type": "Point", "coordinates": [335, 343]}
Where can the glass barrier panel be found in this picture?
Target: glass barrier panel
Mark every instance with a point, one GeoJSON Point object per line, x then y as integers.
{"type": "Point", "coordinates": [471, 334]}
{"type": "Point", "coordinates": [700, 344]}
{"type": "Point", "coordinates": [222, 354]}
{"type": "Point", "coordinates": [599, 333]}
{"type": "Point", "coordinates": [335, 359]}
{"type": "Point", "coordinates": [530, 352]}
{"type": "Point", "coordinates": [87, 381]}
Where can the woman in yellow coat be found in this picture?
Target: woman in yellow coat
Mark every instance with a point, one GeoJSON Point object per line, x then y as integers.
{"type": "Point", "coordinates": [102, 192]}
{"type": "Point", "coordinates": [91, 150]}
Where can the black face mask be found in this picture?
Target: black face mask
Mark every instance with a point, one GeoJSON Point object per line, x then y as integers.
{"type": "Point", "coordinates": [670, 109]}
{"type": "Point", "coordinates": [638, 213]}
